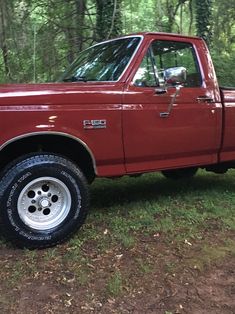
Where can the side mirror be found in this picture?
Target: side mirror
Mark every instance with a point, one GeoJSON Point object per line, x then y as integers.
{"type": "Point", "coordinates": [175, 76]}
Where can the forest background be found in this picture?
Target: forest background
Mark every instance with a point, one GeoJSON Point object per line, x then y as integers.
{"type": "Point", "coordinates": [39, 38]}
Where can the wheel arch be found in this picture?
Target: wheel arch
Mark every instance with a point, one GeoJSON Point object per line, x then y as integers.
{"type": "Point", "coordinates": [52, 142]}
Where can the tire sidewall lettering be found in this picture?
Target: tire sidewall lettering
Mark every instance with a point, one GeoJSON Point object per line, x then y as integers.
{"type": "Point", "coordinates": [10, 214]}
{"type": "Point", "coordinates": [15, 186]}
{"type": "Point", "coordinates": [26, 171]}
{"type": "Point", "coordinates": [17, 223]}
{"type": "Point", "coordinates": [24, 177]}
{"type": "Point", "coordinates": [78, 193]}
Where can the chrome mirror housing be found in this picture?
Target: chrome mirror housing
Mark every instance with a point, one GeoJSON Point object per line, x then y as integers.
{"type": "Point", "coordinates": [175, 76]}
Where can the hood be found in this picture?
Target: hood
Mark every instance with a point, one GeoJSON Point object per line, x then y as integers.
{"type": "Point", "coordinates": [58, 93]}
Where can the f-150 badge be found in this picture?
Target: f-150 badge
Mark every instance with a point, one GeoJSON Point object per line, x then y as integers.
{"type": "Point", "coordinates": [94, 124]}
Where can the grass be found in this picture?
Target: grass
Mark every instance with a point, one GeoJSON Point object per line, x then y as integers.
{"type": "Point", "coordinates": [115, 284]}
{"type": "Point", "coordinates": [143, 219]}
{"type": "Point", "coordinates": [211, 254]}
{"type": "Point", "coordinates": [128, 209]}
{"type": "Point", "coordinates": [144, 266]}
{"type": "Point", "coordinates": [150, 204]}
{"type": "Point", "coordinates": [16, 274]}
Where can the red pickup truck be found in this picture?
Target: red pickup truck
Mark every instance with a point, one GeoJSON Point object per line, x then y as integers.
{"type": "Point", "coordinates": [141, 103]}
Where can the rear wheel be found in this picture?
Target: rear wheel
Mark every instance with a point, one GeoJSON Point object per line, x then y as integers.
{"type": "Point", "coordinates": [43, 199]}
{"type": "Point", "coordinates": [176, 174]}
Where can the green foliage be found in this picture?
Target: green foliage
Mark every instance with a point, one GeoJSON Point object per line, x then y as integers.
{"type": "Point", "coordinates": [108, 20]}
{"type": "Point", "coordinates": [203, 14]}
{"type": "Point", "coordinates": [39, 39]}
{"type": "Point", "coordinates": [224, 66]}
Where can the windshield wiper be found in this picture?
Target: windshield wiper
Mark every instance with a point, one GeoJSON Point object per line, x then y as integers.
{"type": "Point", "coordinates": [75, 79]}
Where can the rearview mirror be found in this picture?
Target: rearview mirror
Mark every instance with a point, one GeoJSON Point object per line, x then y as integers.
{"type": "Point", "coordinates": [175, 76]}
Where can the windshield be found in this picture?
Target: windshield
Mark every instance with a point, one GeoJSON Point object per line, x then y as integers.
{"type": "Point", "coordinates": [103, 62]}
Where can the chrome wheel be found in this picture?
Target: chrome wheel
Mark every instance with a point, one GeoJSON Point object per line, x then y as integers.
{"type": "Point", "coordinates": [44, 199]}
{"type": "Point", "coordinates": [44, 203]}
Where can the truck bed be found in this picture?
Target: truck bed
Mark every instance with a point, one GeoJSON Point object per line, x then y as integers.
{"type": "Point", "coordinates": [228, 145]}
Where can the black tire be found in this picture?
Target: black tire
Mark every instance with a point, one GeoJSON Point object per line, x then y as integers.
{"type": "Point", "coordinates": [177, 174]}
{"type": "Point", "coordinates": [43, 200]}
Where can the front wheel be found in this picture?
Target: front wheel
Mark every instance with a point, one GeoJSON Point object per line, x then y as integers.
{"type": "Point", "coordinates": [43, 200]}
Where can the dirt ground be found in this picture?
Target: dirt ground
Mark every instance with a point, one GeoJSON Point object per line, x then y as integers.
{"type": "Point", "coordinates": [35, 282]}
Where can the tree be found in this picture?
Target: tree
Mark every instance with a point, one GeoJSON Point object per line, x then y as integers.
{"type": "Point", "coordinates": [39, 38]}
{"type": "Point", "coordinates": [3, 38]}
{"type": "Point", "coordinates": [108, 20]}
{"type": "Point", "coordinates": [203, 13]}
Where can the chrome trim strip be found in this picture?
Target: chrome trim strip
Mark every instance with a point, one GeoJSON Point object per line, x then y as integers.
{"type": "Point", "coordinates": [114, 39]}
{"type": "Point", "coordinates": [53, 133]}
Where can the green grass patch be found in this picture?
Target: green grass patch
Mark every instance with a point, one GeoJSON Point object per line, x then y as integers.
{"type": "Point", "coordinates": [115, 284]}
{"type": "Point", "coordinates": [142, 219]}
{"type": "Point", "coordinates": [144, 266]}
{"type": "Point", "coordinates": [211, 254]}
{"type": "Point", "coordinates": [177, 209]}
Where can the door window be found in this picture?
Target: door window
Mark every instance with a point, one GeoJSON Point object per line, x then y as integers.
{"type": "Point", "coordinates": [146, 75]}
{"type": "Point", "coordinates": [163, 55]}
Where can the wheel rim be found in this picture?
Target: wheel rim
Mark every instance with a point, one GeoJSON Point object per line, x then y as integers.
{"type": "Point", "coordinates": [44, 203]}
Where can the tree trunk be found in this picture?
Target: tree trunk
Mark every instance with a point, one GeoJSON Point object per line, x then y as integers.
{"type": "Point", "coordinates": [109, 19]}
{"type": "Point", "coordinates": [3, 38]}
{"type": "Point", "coordinates": [80, 18]}
{"type": "Point", "coordinates": [203, 19]}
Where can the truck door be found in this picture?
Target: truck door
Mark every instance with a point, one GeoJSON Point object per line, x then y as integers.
{"type": "Point", "coordinates": [190, 134]}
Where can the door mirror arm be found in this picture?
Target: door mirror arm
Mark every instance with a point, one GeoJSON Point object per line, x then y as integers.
{"type": "Point", "coordinates": [173, 99]}
{"type": "Point", "coordinates": [174, 77]}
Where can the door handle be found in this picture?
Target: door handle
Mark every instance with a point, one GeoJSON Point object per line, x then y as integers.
{"type": "Point", "coordinates": [204, 99]}
{"type": "Point", "coordinates": [160, 91]}
{"type": "Point", "coordinates": [164, 114]}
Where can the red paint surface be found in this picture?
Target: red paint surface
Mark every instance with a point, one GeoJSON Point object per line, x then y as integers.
{"type": "Point", "coordinates": [136, 139]}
